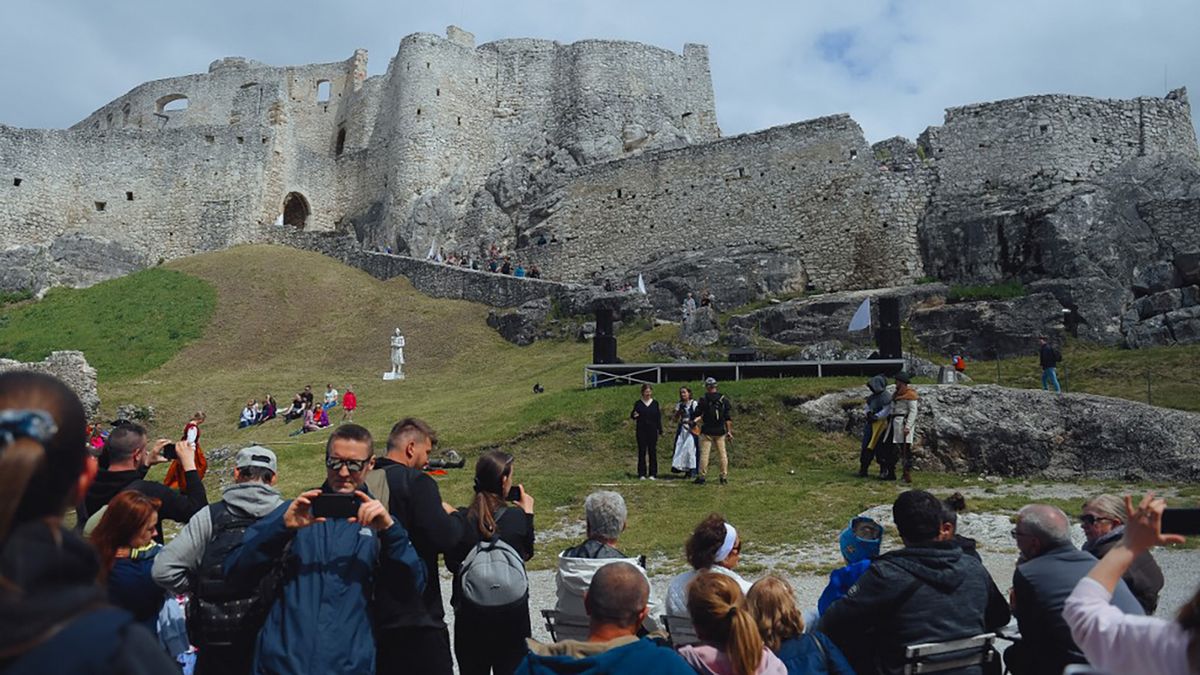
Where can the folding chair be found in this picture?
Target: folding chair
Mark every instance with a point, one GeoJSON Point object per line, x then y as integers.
{"type": "Point", "coordinates": [934, 657]}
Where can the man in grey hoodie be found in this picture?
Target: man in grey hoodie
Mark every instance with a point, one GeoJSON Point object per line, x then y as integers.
{"type": "Point", "coordinates": [879, 406]}
{"type": "Point", "coordinates": [223, 619]}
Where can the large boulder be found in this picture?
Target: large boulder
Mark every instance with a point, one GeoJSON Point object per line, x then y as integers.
{"type": "Point", "coordinates": [988, 329]}
{"type": "Point", "coordinates": [735, 276]}
{"type": "Point", "coordinates": [523, 325]}
{"type": "Point", "coordinates": [72, 259]}
{"type": "Point", "coordinates": [702, 328]}
{"type": "Point", "coordinates": [69, 366]}
{"type": "Point", "coordinates": [1029, 432]}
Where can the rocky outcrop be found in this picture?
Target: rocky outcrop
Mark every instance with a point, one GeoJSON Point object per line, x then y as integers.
{"type": "Point", "coordinates": [1026, 432]}
{"type": "Point", "coordinates": [69, 366]}
{"type": "Point", "coordinates": [988, 329]}
{"type": "Point", "coordinates": [735, 276]}
{"type": "Point", "coordinates": [72, 259]}
{"type": "Point", "coordinates": [702, 328]}
{"type": "Point", "coordinates": [832, 350]}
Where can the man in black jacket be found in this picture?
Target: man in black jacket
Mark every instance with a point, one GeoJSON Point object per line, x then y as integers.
{"type": "Point", "coordinates": [1049, 569]}
{"type": "Point", "coordinates": [928, 591]}
{"type": "Point", "coordinates": [129, 461]}
{"type": "Point", "coordinates": [411, 635]}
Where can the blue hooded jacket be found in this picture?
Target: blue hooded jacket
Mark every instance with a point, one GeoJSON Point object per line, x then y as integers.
{"type": "Point", "coordinates": [640, 656]}
{"type": "Point", "coordinates": [320, 621]}
{"type": "Point", "coordinates": [813, 654]}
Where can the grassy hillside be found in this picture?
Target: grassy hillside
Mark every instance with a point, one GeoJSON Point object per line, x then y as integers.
{"type": "Point", "coordinates": [283, 318]}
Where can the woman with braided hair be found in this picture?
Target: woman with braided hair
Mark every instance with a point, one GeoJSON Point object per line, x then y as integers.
{"type": "Point", "coordinates": [53, 615]}
{"type": "Point", "coordinates": [731, 643]}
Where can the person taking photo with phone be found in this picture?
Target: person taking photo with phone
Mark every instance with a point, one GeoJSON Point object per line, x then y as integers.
{"type": "Point", "coordinates": [331, 545]}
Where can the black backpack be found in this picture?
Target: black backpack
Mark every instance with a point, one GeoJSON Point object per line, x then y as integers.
{"type": "Point", "coordinates": [221, 612]}
{"type": "Point", "coordinates": [714, 411]}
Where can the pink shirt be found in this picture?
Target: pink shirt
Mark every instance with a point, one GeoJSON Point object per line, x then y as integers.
{"type": "Point", "coordinates": [707, 659]}
{"type": "Point", "coordinates": [1123, 643]}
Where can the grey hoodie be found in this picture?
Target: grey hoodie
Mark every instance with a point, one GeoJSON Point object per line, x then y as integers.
{"type": "Point", "coordinates": [183, 555]}
{"type": "Point", "coordinates": [880, 398]}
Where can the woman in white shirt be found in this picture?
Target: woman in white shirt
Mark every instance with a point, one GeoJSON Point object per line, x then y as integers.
{"type": "Point", "coordinates": [713, 547]}
{"type": "Point", "coordinates": [1122, 643]}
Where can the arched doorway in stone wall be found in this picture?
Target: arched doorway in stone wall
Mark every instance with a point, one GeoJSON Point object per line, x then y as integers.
{"type": "Point", "coordinates": [295, 210]}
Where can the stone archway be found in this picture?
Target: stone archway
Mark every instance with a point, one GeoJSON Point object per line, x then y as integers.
{"type": "Point", "coordinates": [295, 210]}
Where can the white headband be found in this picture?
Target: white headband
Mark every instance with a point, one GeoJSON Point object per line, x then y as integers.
{"type": "Point", "coordinates": [727, 547]}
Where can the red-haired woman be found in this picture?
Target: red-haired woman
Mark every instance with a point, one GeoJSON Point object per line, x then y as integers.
{"type": "Point", "coordinates": [125, 541]}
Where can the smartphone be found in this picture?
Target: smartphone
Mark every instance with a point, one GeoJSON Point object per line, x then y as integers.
{"type": "Point", "coordinates": [335, 506]}
{"type": "Point", "coordinates": [1181, 521]}
{"type": "Point", "coordinates": [514, 493]}
{"type": "Point", "coordinates": [168, 452]}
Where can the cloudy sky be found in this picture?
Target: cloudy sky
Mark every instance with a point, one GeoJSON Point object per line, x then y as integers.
{"type": "Point", "coordinates": [894, 65]}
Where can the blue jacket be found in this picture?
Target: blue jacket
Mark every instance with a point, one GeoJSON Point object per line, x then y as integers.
{"type": "Point", "coordinates": [635, 658]}
{"type": "Point", "coordinates": [840, 581]}
{"type": "Point", "coordinates": [320, 621]}
{"type": "Point", "coordinates": [813, 654]}
{"type": "Point", "coordinates": [131, 587]}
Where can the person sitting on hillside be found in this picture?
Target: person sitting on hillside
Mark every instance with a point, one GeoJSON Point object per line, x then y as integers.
{"type": "Point", "coordinates": [320, 417]}
{"type": "Point", "coordinates": [730, 641]}
{"type": "Point", "coordinates": [772, 603]}
{"type": "Point", "coordinates": [713, 547]}
{"type": "Point", "coordinates": [928, 591]}
{"type": "Point", "coordinates": [269, 409]}
{"type": "Point", "coordinates": [310, 423]}
{"type": "Point", "coordinates": [616, 603]}
{"type": "Point", "coordinates": [249, 415]}
{"type": "Point", "coordinates": [331, 397]}
{"type": "Point", "coordinates": [1103, 523]}
{"type": "Point", "coordinates": [295, 411]}
{"type": "Point", "coordinates": [606, 519]}
{"type": "Point", "coordinates": [860, 543]}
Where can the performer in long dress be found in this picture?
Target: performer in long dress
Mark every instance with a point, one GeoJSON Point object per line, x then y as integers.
{"type": "Point", "coordinates": [686, 443]}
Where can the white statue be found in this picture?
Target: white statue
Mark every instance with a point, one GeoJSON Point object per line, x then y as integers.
{"type": "Point", "coordinates": [397, 371]}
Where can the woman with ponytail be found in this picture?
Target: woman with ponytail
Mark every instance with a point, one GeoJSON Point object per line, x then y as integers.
{"type": "Point", "coordinates": [731, 644]}
{"type": "Point", "coordinates": [125, 541]}
{"type": "Point", "coordinates": [491, 639]}
{"type": "Point", "coordinates": [53, 615]}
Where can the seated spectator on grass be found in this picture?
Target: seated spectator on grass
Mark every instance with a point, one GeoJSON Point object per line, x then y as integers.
{"type": "Point", "coordinates": [53, 614]}
{"type": "Point", "coordinates": [331, 397]}
{"type": "Point", "coordinates": [928, 591]}
{"type": "Point", "coordinates": [731, 641]}
{"type": "Point", "coordinates": [249, 415]}
{"type": "Point", "coordinates": [616, 606]}
{"type": "Point", "coordinates": [310, 422]}
{"type": "Point", "coordinates": [860, 544]}
{"type": "Point", "coordinates": [295, 411]}
{"type": "Point", "coordinates": [713, 547]}
{"type": "Point", "coordinates": [772, 603]}
{"type": "Point", "coordinates": [1051, 568]}
{"type": "Point", "coordinates": [954, 504]}
{"type": "Point", "coordinates": [320, 418]}
{"type": "Point", "coordinates": [124, 539]}
{"type": "Point", "coordinates": [1103, 521]}
{"type": "Point", "coordinates": [268, 411]}
{"type": "Point", "coordinates": [1120, 643]}
{"type": "Point", "coordinates": [606, 517]}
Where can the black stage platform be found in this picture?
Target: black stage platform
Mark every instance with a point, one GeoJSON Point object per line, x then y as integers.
{"type": "Point", "coordinates": [600, 375]}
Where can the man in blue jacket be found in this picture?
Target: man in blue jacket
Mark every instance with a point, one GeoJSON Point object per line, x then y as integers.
{"type": "Point", "coordinates": [616, 604]}
{"type": "Point", "coordinates": [320, 622]}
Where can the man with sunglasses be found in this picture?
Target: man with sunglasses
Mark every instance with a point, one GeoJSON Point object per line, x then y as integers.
{"type": "Point", "coordinates": [320, 623]}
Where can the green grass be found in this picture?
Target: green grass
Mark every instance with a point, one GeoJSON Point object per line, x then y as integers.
{"type": "Point", "coordinates": [13, 297]}
{"type": "Point", "coordinates": [1001, 291]}
{"type": "Point", "coordinates": [126, 327]}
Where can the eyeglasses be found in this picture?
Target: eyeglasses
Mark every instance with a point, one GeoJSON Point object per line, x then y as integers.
{"type": "Point", "coordinates": [1017, 535]}
{"type": "Point", "coordinates": [352, 465]}
{"type": "Point", "coordinates": [1089, 520]}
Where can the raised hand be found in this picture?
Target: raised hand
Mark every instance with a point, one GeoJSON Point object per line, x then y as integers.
{"type": "Point", "coordinates": [299, 513]}
{"type": "Point", "coordinates": [373, 513]}
{"type": "Point", "coordinates": [1143, 525]}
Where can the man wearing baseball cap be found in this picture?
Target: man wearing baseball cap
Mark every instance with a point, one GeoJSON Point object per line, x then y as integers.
{"type": "Point", "coordinates": [224, 619]}
{"type": "Point", "coordinates": [716, 425]}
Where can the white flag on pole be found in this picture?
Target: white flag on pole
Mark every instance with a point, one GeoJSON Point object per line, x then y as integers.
{"type": "Point", "coordinates": [862, 317]}
{"type": "Point", "coordinates": [432, 255]}
{"type": "Point", "coordinates": [641, 284]}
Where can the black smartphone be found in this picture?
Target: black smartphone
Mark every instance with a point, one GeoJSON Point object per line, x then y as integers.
{"type": "Point", "coordinates": [1181, 521]}
{"type": "Point", "coordinates": [514, 494]}
{"type": "Point", "coordinates": [168, 452]}
{"type": "Point", "coordinates": [335, 506]}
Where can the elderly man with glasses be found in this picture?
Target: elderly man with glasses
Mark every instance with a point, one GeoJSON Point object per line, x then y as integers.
{"type": "Point", "coordinates": [1046, 573]}
{"type": "Point", "coordinates": [328, 547]}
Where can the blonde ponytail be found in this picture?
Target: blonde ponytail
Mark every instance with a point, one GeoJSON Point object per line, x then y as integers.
{"type": "Point", "coordinates": [18, 462]}
{"type": "Point", "coordinates": [719, 613]}
{"type": "Point", "coordinates": [745, 646]}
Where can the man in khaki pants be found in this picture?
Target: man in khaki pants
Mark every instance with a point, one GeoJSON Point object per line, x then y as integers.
{"type": "Point", "coordinates": [714, 411]}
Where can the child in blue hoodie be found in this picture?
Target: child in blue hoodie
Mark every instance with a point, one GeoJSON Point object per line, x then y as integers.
{"type": "Point", "coordinates": [860, 545]}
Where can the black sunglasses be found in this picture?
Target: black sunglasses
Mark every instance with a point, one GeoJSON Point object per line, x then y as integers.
{"type": "Point", "coordinates": [353, 465]}
{"type": "Point", "coordinates": [1089, 519]}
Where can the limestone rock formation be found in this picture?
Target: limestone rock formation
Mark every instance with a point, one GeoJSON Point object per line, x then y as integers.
{"type": "Point", "coordinates": [523, 325]}
{"type": "Point", "coordinates": [702, 328]}
{"type": "Point", "coordinates": [72, 259]}
{"type": "Point", "coordinates": [1027, 432]}
{"type": "Point", "coordinates": [988, 329]}
{"type": "Point", "coordinates": [735, 276]}
{"type": "Point", "coordinates": [69, 366]}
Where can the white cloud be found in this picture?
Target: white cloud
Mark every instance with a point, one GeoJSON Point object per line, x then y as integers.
{"type": "Point", "coordinates": [893, 65]}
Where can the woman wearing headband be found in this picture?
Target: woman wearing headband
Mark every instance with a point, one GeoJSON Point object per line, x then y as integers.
{"type": "Point", "coordinates": [714, 547]}
{"type": "Point", "coordinates": [53, 616]}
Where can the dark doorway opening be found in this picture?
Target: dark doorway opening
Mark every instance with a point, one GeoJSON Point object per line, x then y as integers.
{"type": "Point", "coordinates": [295, 210]}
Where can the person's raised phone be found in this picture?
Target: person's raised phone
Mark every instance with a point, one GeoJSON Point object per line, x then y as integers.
{"type": "Point", "coordinates": [168, 452]}
{"type": "Point", "coordinates": [514, 493]}
{"type": "Point", "coordinates": [335, 506]}
{"type": "Point", "coordinates": [1181, 521]}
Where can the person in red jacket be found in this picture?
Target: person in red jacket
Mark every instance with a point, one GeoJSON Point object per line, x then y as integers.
{"type": "Point", "coordinates": [349, 403]}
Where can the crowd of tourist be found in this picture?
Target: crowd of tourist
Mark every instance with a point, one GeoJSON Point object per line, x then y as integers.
{"type": "Point", "coordinates": [493, 262]}
{"type": "Point", "coordinates": [343, 578]}
{"type": "Point", "coordinates": [314, 416]}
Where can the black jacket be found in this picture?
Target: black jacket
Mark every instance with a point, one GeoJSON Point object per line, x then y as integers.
{"type": "Point", "coordinates": [415, 501]}
{"type": "Point", "coordinates": [1047, 356]}
{"type": "Point", "coordinates": [58, 622]}
{"type": "Point", "coordinates": [713, 410]}
{"type": "Point", "coordinates": [648, 418]}
{"type": "Point", "coordinates": [928, 593]}
{"type": "Point", "coordinates": [1144, 577]}
{"type": "Point", "coordinates": [175, 506]}
{"type": "Point", "coordinates": [1040, 588]}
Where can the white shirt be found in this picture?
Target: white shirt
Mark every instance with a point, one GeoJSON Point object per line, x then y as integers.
{"type": "Point", "coordinates": [677, 591]}
{"type": "Point", "coordinates": [1123, 643]}
{"type": "Point", "coordinates": [331, 396]}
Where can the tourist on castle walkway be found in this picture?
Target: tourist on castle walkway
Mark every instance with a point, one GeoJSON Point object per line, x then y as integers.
{"type": "Point", "coordinates": [716, 427]}
{"type": "Point", "coordinates": [687, 442]}
{"type": "Point", "coordinates": [878, 409]}
{"type": "Point", "coordinates": [648, 420]}
{"type": "Point", "coordinates": [1049, 358]}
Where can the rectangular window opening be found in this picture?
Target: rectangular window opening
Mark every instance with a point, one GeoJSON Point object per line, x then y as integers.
{"type": "Point", "coordinates": [241, 139]}
{"type": "Point", "coordinates": [210, 139]}
{"type": "Point", "coordinates": [100, 206]}
{"type": "Point", "coordinates": [128, 196]}
{"type": "Point", "coordinates": [16, 182]}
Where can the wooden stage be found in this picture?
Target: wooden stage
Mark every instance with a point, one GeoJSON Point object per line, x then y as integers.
{"type": "Point", "coordinates": [611, 374]}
